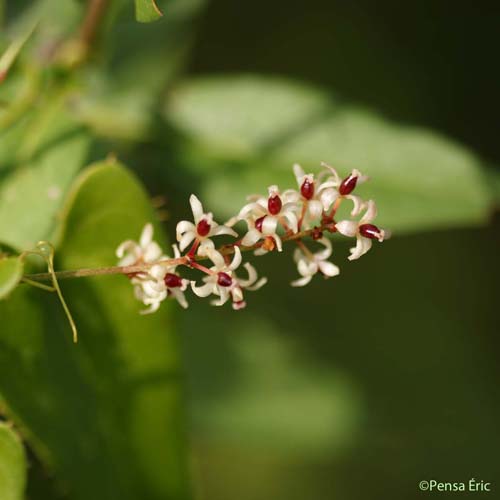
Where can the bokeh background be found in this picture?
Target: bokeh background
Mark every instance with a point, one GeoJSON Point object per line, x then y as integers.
{"type": "Point", "coordinates": [362, 386]}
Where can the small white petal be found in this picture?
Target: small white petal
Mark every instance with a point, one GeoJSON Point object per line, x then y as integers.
{"type": "Point", "coordinates": [126, 246]}
{"type": "Point", "coordinates": [216, 258]}
{"type": "Point", "coordinates": [290, 196]}
{"type": "Point", "coordinates": [196, 207]}
{"type": "Point", "coordinates": [176, 250]}
{"type": "Point", "coordinates": [146, 235]}
{"type": "Point", "coordinates": [180, 297]}
{"type": "Point", "coordinates": [326, 252]}
{"type": "Point", "coordinates": [152, 252]}
{"type": "Point", "coordinates": [186, 239]}
{"type": "Point", "coordinates": [252, 275]}
{"type": "Point", "coordinates": [328, 268]}
{"type": "Point", "coordinates": [357, 202]}
{"type": "Point", "coordinates": [347, 227]}
{"type": "Point", "coordinates": [314, 209]}
{"type": "Point", "coordinates": [153, 308]}
{"type": "Point", "coordinates": [307, 268]}
{"type": "Point", "coordinates": [299, 173]}
{"type": "Point", "coordinates": [218, 230]}
{"type": "Point", "coordinates": [204, 290]}
{"type": "Point", "coordinates": [370, 214]}
{"type": "Point", "coordinates": [277, 240]}
{"type": "Point", "coordinates": [292, 220]}
{"type": "Point", "coordinates": [362, 246]}
{"type": "Point", "coordinates": [237, 294]}
{"type": "Point", "coordinates": [328, 197]}
{"type": "Point", "coordinates": [183, 227]}
{"type": "Point", "coordinates": [252, 237]}
{"type": "Point", "coordinates": [269, 225]}
{"type": "Point", "coordinates": [257, 285]}
{"type": "Point", "coordinates": [236, 259]}
{"type": "Point", "coordinates": [302, 281]}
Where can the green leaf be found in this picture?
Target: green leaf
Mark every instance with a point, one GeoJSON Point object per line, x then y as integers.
{"type": "Point", "coordinates": [11, 271]}
{"type": "Point", "coordinates": [105, 414]}
{"type": "Point", "coordinates": [12, 464]}
{"type": "Point", "coordinates": [147, 11]}
{"type": "Point", "coordinates": [254, 129]}
{"type": "Point", "coordinates": [52, 151]}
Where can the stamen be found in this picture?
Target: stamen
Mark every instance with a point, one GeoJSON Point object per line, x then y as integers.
{"type": "Point", "coordinates": [307, 189]}
{"type": "Point", "coordinates": [348, 184]}
{"type": "Point", "coordinates": [203, 227]}
{"type": "Point", "coordinates": [172, 280]}
{"type": "Point", "coordinates": [274, 205]}
{"type": "Point", "coordinates": [369, 231]}
{"type": "Point", "coordinates": [223, 279]}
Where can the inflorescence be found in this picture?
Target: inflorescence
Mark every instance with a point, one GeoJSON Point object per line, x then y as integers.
{"type": "Point", "coordinates": [291, 215]}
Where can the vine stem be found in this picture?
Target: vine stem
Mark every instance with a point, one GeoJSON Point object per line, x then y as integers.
{"type": "Point", "coordinates": [186, 260]}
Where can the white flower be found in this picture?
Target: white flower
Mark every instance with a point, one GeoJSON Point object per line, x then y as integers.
{"type": "Point", "coordinates": [153, 286]}
{"type": "Point", "coordinates": [224, 282]}
{"type": "Point", "coordinates": [308, 263]}
{"type": "Point", "coordinates": [344, 187]}
{"type": "Point", "coordinates": [146, 251]}
{"type": "Point", "coordinates": [315, 197]}
{"type": "Point", "coordinates": [263, 216]}
{"type": "Point", "coordinates": [202, 230]}
{"type": "Point", "coordinates": [364, 231]}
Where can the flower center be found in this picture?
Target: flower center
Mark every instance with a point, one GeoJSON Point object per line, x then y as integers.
{"type": "Point", "coordinates": [223, 279]}
{"type": "Point", "coordinates": [348, 184]}
{"type": "Point", "coordinates": [307, 189]}
{"type": "Point", "coordinates": [369, 231]}
{"type": "Point", "coordinates": [172, 280]}
{"type": "Point", "coordinates": [274, 205]}
{"type": "Point", "coordinates": [203, 227]}
{"type": "Point", "coordinates": [258, 223]}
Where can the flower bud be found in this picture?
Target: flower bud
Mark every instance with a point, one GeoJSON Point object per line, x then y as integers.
{"type": "Point", "coordinates": [203, 227]}
{"type": "Point", "coordinates": [223, 279]}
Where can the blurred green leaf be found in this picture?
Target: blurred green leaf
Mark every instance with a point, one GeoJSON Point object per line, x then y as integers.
{"type": "Point", "coordinates": [254, 129]}
{"type": "Point", "coordinates": [147, 11]}
{"type": "Point", "coordinates": [52, 148]}
{"type": "Point", "coordinates": [12, 464]}
{"type": "Point", "coordinates": [105, 414]}
{"type": "Point", "coordinates": [11, 271]}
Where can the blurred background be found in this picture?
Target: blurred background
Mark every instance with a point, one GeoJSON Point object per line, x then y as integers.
{"type": "Point", "coordinates": [362, 386]}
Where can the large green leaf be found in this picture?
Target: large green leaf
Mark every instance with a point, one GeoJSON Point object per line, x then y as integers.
{"type": "Point", "coordinates": [51, 149]}
{"type": "Point", "coordinates": [11, 271]}
{"type": "Point", "coordinates": [12, 464]}
{"type": "Point", "coordinates": [255, 128]}
{"type": "Point", "coordinates": [104, 414]}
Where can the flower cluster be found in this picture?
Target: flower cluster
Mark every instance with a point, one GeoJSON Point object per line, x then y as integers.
{"type": "Point", "coordinates": [293, 215]}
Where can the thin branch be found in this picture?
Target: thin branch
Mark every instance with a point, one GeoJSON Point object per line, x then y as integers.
{"type": "Point", "coordinates": [186, 260]}
{"type": "Point", "coordinates": [93, 18]}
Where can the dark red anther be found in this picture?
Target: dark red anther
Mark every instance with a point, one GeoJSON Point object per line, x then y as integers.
{"type": "Point", "coordinates": [258, 223]}
{"type": "Point", "coordinates": [307, 189]}
{"type": "Point", "coordinates": [223, 279]}
{"type": "Point", "coordinates": [348, 184]}
{"type": "Point", "coordinates": [203, 227]}
{"type": "Point", "coordinates": [274, 205]}
{"type": "Point", "coordinates": [369, 231]}
{"type": "Point", "coordinates": [172, 280]}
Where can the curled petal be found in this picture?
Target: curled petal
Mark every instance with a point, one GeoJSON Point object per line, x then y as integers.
{"type": "Point", "coordinates": [182, 227]}
{"type": "Point", "coordinates": [357, 202]}
{"type": "Point", "coordinates": [215, 256]}
{"type": "Point", "coordinates": [328, 268]}
{"type": "Point", "coordinates": [362, 246]}
{"type": "Point", "coordinates": [237, 294]}
{"type": "Point", "coordinates": [257, 285]}
{"type": "Point", "coordinates": [126, 246]}
{"type": "Point", "coordinates": [218, 230]}
{"type": "Point", "coordinates": [236, 259]}
{"type": "Point", "coordinates": [328, 197]}
{"type": "Point", "coordinates": [146, 235]}
{"type": "Point", "coordinates": [151, 309]}
{"type": "Point", "coordinates": [326, 252]}
{"type": "Point", "coordinates": [186, 239]}
{"type": "Point", "coordinates": [196, 207]}
{"type": "Point", "coordinates": [180, 297]}
{"type": "Point", "coordinates": [223, 296]}
{"type": "Point", "coordinates": [302, 281]}
{"type": "Point", "coordinates": [176, 250]}
{"type": "Point", "coordinates": [252, 275]}
{"type": "Point", "coordinates": [204, 290]}
{"type": "Point", "coordinates": [347, 227]}
{"type": "Point", "coordinates": [370, 214]}
{"type": "Point", "coordinates": [329, 170]}
{"type": "Point", "coordinates": [239, 305]}
{"type": "Point", "coordinates": [277, 240]}
{"type": "Point", "coordinates": [252, 237]}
